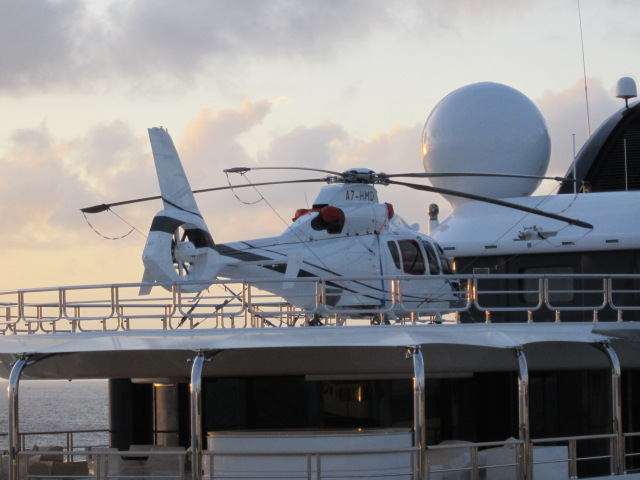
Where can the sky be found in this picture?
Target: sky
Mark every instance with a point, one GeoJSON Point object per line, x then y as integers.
{"type": "Point", "coordinates": [316, 83]}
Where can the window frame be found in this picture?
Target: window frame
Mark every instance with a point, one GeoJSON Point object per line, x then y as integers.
{"type": "Point", "coordinates": [419, 256]}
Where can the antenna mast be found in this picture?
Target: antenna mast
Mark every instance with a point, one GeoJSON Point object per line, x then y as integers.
{"type": "Point", "coordinates": [584, 71]}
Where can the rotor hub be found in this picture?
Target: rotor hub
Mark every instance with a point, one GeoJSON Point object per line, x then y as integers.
{"type": "Point", "coordinates": [359, 175]}
{"type": "Point", "coordinates": [185, 252]}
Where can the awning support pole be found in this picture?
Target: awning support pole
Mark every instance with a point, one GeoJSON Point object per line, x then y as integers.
{"type": "Point", "coordinates": [419, 420]}
{"type": "Point", "coordinates": [196, 416]}
{"type": "Point", "coordinates": [14, 436]}
{"type": "Point", "coordinates": [617, 445]}
{"type": "Point", "coordinates": [525, 471]}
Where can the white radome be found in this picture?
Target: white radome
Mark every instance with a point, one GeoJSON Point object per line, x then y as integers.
{"type": "Point", "coordinates": [486, 128]}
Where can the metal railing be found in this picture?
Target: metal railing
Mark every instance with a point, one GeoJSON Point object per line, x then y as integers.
{"type": "Point", "coordinates": [315, 465]}
{"type": "Point", "coordinates": [632, 452]}
{"type": "Point", "coordinates": [598, 449]}
{"type": "Point", "coordinates": [563, 453]}
{"type": "Point", "coordinates": [308, 301]}
{"type": "Point", "coordinates": [68, 439]}
{"type": "Point", "coordinates": [466, 458]}
{"type": "Point", "coordinates": [103, 464]}
{"type": "Point", "coordinates": [470, 459]}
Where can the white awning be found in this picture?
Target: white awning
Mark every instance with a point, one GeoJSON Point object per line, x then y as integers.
{"type": "Point", "coordinates": [323, 350]}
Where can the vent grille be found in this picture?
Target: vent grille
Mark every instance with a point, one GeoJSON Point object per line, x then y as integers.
{"type": "Point", "coordinates": [610, 172]}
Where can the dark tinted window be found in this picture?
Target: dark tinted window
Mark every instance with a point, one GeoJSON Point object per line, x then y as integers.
{"type": "Point", "coordinates": [393, 248]}
{"type": "Point", "coordinates": [447, 268]}
{"type": "Point", "coordinates": [412, 260]}
{"type": "Point", "coordinates": [434, 269]}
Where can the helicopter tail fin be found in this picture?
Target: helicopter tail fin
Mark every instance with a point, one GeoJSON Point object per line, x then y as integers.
{"type": "Point", "coordinates": [174, 186]}
{"type": "Point", "coordinates": [179, 247]}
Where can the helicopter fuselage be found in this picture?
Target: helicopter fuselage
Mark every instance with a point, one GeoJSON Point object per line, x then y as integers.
{"type": "Point", "coordinates": [347, 233]}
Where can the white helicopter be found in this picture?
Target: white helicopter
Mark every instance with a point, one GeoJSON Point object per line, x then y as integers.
{"type": "Point", "coordinates": [348, 232]}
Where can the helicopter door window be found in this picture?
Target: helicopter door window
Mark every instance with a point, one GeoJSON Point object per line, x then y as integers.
{"type": "Point", "coordinates": [447, 267]}
{"type": "Point", "coordinates": [393, 249]}
{"type": "Point", "coordinates": [434, 268]}
{"type": "Point", "coordinates": [412, 259]}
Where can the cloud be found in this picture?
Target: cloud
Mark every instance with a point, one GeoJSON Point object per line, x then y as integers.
{"type": "Point", "coordinates": [184, 36]}
{"type": "Point", "coordinates": [307, 147]}
{"type": "Point", "coordinates": [566, 114]}
{"type": "Point", "coordinates": [445, 14]}
{"type": "Point", "coordinates": [28, 171]}
{"type": "Point", "coordinates": [46, 44]}
{"type": "Point", "coordinates": [211, 141]}
{"type": "Point", "coordinates": [47, 181]}
{"type": "Point", "coordinates": [390, 152]}
{"type": "Point", "coordinates": [107, 156]}
{"type": "Point", "coordinates": [37, 41]}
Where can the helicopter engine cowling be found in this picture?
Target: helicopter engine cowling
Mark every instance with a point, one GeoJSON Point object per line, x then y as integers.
{"type": "Point", "coordinates": [180, 249]}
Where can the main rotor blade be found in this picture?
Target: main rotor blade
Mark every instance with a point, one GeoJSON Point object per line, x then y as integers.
{"type": "Point", "coordinates": [535, 211]}
{"type": "Point", "coordinates": [242, 170]}
{"type": "Point", "coordinates": [474, 174]}
{"type": "Point", "coordinates": [105, 206]}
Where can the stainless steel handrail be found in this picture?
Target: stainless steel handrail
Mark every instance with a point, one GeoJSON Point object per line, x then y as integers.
{"type": "Point", "coordinates": [93, 306]}
{"type": "Point", "coordinates": [314, 458]}
{"type": "Point", "coordinates": [313, 470]}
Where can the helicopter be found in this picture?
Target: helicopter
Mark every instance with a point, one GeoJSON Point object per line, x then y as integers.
{"type": "Point", "coordinates": [346, 233]}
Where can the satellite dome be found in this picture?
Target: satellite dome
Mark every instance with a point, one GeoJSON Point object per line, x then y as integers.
{"type": "Point", "coordinates": [486, 128]}
{"type": "Point", "coordinates": [626, 88]}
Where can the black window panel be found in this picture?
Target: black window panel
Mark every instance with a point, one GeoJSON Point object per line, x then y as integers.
{"type": "Point", "coordinates": [393, 249]}
{"type": "Point", "coordinates": [447, 267]}
{"type": "Point", "coordinates": [412, 259]}
{"type": "Point", "coordinates": [626, 291]}
{"type": "Point", "coordinates": [434, 269]}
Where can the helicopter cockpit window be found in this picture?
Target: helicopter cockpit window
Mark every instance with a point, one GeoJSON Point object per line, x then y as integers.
{"type": "Point", "coordinates": [412, 259]}
{"type": "Point", "coordinates": [393, 249]}
{"type": "Point", "coordinates": [447, 267]}
{"type": "Point", "coordinates": [434, 269]}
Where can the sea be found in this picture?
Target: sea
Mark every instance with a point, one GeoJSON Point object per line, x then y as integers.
{"type": "Point", "coordinates": [59, 405]}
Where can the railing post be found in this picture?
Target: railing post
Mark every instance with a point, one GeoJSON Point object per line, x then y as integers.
{"type": "Point", "coordinates": [399, 300]}
{"type": "Point", "coordinates": [14, 435]}
{"type": "Point", "coordinates": [247, 308]}
{"type": "Point", "coordinates": [196, 416]}
{"type": "Point", "coordinates": [20, 315]}
{"type": "Point", "coordinates": [321, 293]}
{"type": "Point", "coordinates": [419, 419]}
{"type": "Point", "coordinates": [573, 459]}
{"type": "Point", "coordinates": [525, 466]}
{"type": "Point", "coordinates": [475, 474]}
{"type": "Point", "coordinates": [617, 453]}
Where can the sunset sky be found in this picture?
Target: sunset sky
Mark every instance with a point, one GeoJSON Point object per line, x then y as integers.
{"type": "Point", "coordinates": [326, 84]}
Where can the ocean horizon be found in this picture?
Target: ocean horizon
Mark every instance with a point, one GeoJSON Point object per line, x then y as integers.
{"type": "Point", "coordinates": [59, 405]}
